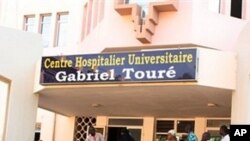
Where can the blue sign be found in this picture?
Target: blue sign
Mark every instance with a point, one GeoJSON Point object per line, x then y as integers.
{"type": "Point", "coordinates": [146, 66]}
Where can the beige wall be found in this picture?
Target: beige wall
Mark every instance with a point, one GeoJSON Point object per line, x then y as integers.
{"type": "Point", "coordinates": [18, 58]}
{"type": "Point", "coordinates": [200, 126]}
{"type": "Point", "coordinates": [148, 128]}
{"type": "Point", "coordinates": [64, 128]}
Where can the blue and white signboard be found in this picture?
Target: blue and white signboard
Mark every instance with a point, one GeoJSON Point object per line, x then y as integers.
{"type": "Point", "coordinates": [146, 66]}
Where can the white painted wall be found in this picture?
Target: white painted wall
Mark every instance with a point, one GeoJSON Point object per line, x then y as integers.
{"type": "Point", "coordinates": [47, 120]}
{"type": "Point", "coordinates": [217, 68]}
{"type": "Point", "coordinates": [55, 127]}
{"type": "Point", "coordinates": [4, 94]}
{"type": "Point", "coordinates": [193, 23]}
{"type": "Point", "coordinates": [241, 97]}
{"type": "Point", "coordinates": [19, 52]}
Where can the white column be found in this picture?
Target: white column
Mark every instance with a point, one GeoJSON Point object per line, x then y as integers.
{"type": "Point", "coordinates": [47, 120]}
{"type": "Point", "coordinates": [241, 96]}
{"type": "Point", "coordinates": [19, 53]}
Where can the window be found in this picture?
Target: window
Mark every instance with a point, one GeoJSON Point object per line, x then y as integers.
{"type": "Point", "coordinates": [89, 16]}
{"type": "Point", "coordinates": [217, 122]}
{"type": "Point", "coordinates": [45, 29]}
{"type": "Point", "coordinates": [29, 23]}
{"type": "Point", "coordinates": [236, 8]}
{"type": "Point", "coordinates": [37, 132]}
{"type": "Point", "coordinates": [181, 125]}
{"type": "Point", "coordinates": [101, 10]}
{"type": "Point", "coordinates": [144, 7]}
{"type": "Point", "coordinates": [143, 4]}
{"type": "Point", "coordinates": [131, 122]}
{"type": "Point", "coordinates": [178, 125]}
{"type": "Point", "coordinates": [126, 1]}
{"type": "Point", "coordinates": [164, 125]}
{"type": "Point", "coordinates": [4, 93]}
{"type": "Point", "coordinates": [214, 5]}
{"type": "Point", "coordinates": [84, 21]}
{"type": "Point", "coordinates": [213, 127]}
{"type": "Point", "coordinates": [62, 29]}
{"type": "Point", "coordinates": [93, 14]}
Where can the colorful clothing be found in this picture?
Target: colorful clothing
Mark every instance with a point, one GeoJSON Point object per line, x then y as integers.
{"type": "Point", "coordinates": [191, 137]}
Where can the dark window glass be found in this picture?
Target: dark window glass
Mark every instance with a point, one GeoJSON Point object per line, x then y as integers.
{"type": "Point", "coordinates": [125, 121]}
{"type": "Point", "coordinates": [217, 123]}
{"type": "Point", "coordinates": [37, 136]}
{"type": "Point", "coordinates": [236, 8]}
{"type": "Point", "coordinates": [181, 125]}
{"type": "Point", "coordinates": [164, 125]}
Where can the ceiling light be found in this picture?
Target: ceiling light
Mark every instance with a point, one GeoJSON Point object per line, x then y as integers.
{"type": "Point", "coordinates": [212, 105]}
{"type": "Point", "coordinates": [96, 105]}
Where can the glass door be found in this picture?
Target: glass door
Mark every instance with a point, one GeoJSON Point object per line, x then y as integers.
{"type": "Point", "coordinates": [124, 129]}
{"type": "Point", "coordinates": [124, 133]}
{"type": "Point", "coordinates": [136, 133]}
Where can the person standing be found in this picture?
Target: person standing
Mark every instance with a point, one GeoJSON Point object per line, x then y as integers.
{"type": "Point", "coordinates": [206, 136]}
{"type": "Point", "coordinates": [191, 136]}
{"type": "Point", "coordinates": [172, 136]}
{"type": "Point", "coordinates": [125, 136]}
{"type": "Point", "coordinates": [93, 136]}
{"type": "Point", "coordinates": [224, 132]}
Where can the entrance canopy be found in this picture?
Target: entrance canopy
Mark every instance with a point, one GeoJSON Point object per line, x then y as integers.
{"type": "Point", "coordinates": [157, 99]}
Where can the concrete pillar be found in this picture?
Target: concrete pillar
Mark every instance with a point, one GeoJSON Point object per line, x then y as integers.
{"type": "Point", "coordinates": [200, 126]}
{"type": "Point", "coordinates": [47, 120]}
{"type": "Point", "coordinates": [148, 129]}
{"type": "Point", "coordinates": [64, 128]}
{"type": "Point", "coordinates": [102, 121]}
{"type": "Point", "coordinates": [241, 96]}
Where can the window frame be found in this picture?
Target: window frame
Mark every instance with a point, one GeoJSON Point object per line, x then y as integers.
{"type": "Point", "coordinates": [41, 23]}
{"type": "Point", "coordinates": [8, 82]}
{"type": "Point", "coordinates": [25, 22]}
{"type": "Point", "coordinates": [58, 25]}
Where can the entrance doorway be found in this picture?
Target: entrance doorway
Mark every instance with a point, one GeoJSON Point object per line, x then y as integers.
{"type": "Point", "coordinates": [132, 127]}
{"type": "Point", "coordinates": [124, 133]}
